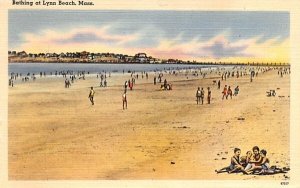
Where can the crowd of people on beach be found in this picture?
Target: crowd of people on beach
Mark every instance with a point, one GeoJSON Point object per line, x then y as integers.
{"type": "Point", "coordinates": [201, 94]}
{"type": "Point", "coordinates": [284, 71]}
{"type": "Point", "coordinates": [253, 162]}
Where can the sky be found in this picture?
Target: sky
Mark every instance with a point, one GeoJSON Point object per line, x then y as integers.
{"type": "Point", "coordinates": [231, 36]}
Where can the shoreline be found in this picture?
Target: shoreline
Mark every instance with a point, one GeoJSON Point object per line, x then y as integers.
{"type": "Point", "coordinates": [205, 64]}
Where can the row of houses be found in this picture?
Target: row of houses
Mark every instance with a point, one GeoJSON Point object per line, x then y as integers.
{"type": "Point", "coordinates": [106, 58]}
{"type": "Point", "coordinates": [87, 57]}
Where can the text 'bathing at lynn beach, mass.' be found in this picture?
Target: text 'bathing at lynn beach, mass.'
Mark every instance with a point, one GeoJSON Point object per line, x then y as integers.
{"type": "Point", "coordinates": [51, 3]}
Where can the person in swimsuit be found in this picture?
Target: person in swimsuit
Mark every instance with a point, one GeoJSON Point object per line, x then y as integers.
{"type": "Point", "coordinates": [229, 93]}
{"type": "Point", "coordinates": [208, 95]}
{"type": "Point", "coordinates": [125, 86]}
{"type": "Point", "coordinates": [198, 95]}
{"type": "Point", "coordinates": [130, 85]}
{"type": "Point", "coordinates": [202, 95]}
{"type": "Point", "coordinates": [124, 98]}
{"type": "Point", "coordinates": [265, 166]}
{"type": "Point", "coordinates": [236, 91]}
{"type": "Point", "coordinates": [255, 160]}
{"type": "Point", "coordinates": [245, 159]}
{"type": "Point", "coordinates": [91, 95]}
{"type": "Point", "coordinates": [165, 84]}
{"type": "Point", "coordinates": [265, 163]}
{"type": "Point", "coordinates": [224, 92]}
{"type": "Point", "coordinates": [235, 165]}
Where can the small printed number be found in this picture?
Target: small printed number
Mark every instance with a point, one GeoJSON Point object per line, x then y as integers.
{"type": "Point", "coordinates": [284, 183]}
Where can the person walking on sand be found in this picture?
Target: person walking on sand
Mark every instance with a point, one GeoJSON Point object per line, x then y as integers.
{"type": "Point", "coordinates": [105, 83]}
{"type": "Point", "coordinates": [198, 95]}
{"type": "Point", "coordinates": [229, 93]}
{"type": "Point", "coordinates": [130, 85]}
{"type": "Point", "coordinates": [124, 98]}
{"type": "Point", "coordinates": [125, 85]}
{"type": "Point", "coordinates": [236, 91]}
{"type": "Point", "coordinates": [252, 74]}
{"type": "Point", "coordinates": [68, 83]}
{"type": "Point", "coordinates": [219, 84]}
{"type": "Point", "coordinates": [224, 92]}
{"type": "Point", "coordinates": [208, 95]}
{"type": "Point", "coordinates": [91, 95]}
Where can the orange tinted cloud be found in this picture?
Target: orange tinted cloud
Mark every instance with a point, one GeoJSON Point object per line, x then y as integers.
{"type": "Point", "coordinates": [101, 39]}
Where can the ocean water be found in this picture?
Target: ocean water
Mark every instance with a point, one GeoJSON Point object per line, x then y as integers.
{"type": "Point", "coordinates": [36, 68]}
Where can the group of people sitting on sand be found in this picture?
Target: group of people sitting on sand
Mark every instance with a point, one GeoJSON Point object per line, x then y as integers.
{"type": "Point", "coordinates": [254, 162]}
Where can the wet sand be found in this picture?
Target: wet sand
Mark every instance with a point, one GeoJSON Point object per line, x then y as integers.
{"type": "Point", "coordinates": [55, 133]}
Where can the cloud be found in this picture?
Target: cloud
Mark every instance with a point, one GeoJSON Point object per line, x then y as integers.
{"type": "Point", "coordinates": [220, 49]}
{"type": "Point", "coordinates": [155, 42]}
{"type": "Point", "coordinates": [77, 36]}
{"type": "Point", "coordinates": [85, 37]}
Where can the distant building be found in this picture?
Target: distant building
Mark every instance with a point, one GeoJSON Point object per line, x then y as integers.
{"type": "Point", "coordinates": [41, 55]}
{"type": "Point", "coordinates": [97, 56]}
{"type": "Point", "coordinates": [155, 60]}
{"type": "Point", "coordinates": [62, 55]}
{"type": "Point", "coordinates": [84, 55]}
{"type": "Point", "coordinates": [128, 59]}
{"type": "Point", "coordinates": [91, 56]}
{"type": "Point", "coordinates": [22, 54]}
{"type": "Point", "coordinates": [171, 61]}
{"type": "Point", "coordinates": [76, 55]}
{"type": "Point", "coordinates": [32, 55]}
{"type": "Point", "coordinates": [141, 58]}
{"type": "Point", "coordinates": [48, 55]}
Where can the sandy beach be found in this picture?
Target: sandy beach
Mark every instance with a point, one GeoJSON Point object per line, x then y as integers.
{"type": "Point", "coordinates": [55, 133]}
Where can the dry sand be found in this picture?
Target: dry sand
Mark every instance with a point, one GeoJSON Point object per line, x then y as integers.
{"type": "Point", "coordinates": [55, 133]}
